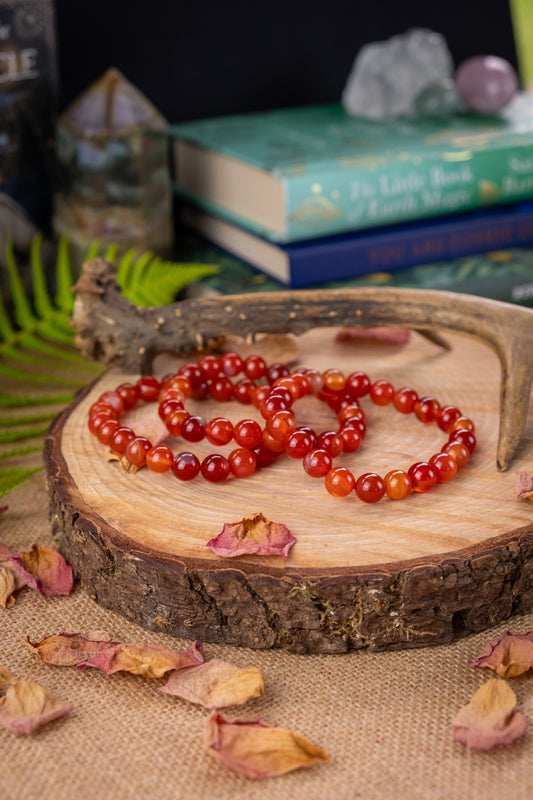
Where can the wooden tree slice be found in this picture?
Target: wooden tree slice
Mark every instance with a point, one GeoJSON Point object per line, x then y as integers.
{"type": "Point", "coordinates": [410, 573]}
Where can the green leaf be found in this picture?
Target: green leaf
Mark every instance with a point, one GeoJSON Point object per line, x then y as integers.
{"type": "Point", "coordinates": [22, 308]}
{"type": "Point", "coordinates": [11, 478]}
{"type": "Point", "coordinates": [64, 294]}
{"type": "Point", "coordinates": [19, 451]}
{"type": "Point", "coordinates": [18, 436]}
{"type": "Point", "coordinates": [14, 401]}
{"type": "Point", "coordinates": [30, 419]}
{"type": "Point", "coordinates": [152, 281]}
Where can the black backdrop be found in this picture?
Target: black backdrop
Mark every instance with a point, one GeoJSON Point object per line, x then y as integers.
{"type": "Point", "coordinates": [196, 59]}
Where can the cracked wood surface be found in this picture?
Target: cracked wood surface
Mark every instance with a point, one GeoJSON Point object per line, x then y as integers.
{"type": "Point", "coordinates": [112, 330]}
{"type": "Point", "coordinates": [419, 572]}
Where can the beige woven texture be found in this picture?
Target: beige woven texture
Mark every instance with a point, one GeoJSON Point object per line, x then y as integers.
{"type": "Point", "coordinates": [384, 718]}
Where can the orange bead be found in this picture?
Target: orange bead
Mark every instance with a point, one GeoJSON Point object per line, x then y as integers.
{"type": "Point", "coordinates": [339, 482]}
{"type": "Point", "coordinates": [398, 484]}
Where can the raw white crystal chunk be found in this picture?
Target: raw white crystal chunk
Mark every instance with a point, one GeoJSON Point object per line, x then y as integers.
{"type": "Point", "coordinates": [387, 77]}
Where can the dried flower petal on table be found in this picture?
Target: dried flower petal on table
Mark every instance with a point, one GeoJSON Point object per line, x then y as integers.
{"type": "Point", "coordinates": [144, 658]}
{"type": "Point", "coordinates": [26, 706]}
{"type": "Point", "coordinates": [5, 677]}
{"type": "Point", "coordinates": [252, 535]}
{"type": "Point", "coordinates": [490, 718]}
{"type": "Point", "coordinates": [524, 485]}
{"type": "Point", "coordinates": [257, 749]}
{"type": "Point", "coordinates": [8, 585]}
{"type": "Point", "coordinates": [215, 684]}
{"type": "Point", "coordinates": [509, 656]}
{"type": "Point", "coordinates": [70, 649]}
{"type": "Point", "coordinates": [49, 568]}
{"type": "Point", "coordinates": [98, 650]}
{"type": "Point", "coordinates": [388, 335]}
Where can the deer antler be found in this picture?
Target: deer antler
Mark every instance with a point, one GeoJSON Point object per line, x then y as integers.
{"type": "Point", "coordinates": [113, 330]}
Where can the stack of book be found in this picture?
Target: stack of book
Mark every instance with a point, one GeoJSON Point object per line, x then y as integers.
{"type": "Point", "coordinates": [311, 195]}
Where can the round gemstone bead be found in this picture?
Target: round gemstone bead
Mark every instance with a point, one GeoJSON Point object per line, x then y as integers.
{"type": "Point", "coordinates": [231, 364]}
{"type": "Point", "coordinates": [185, 466]}
{"type": "Point", "coordinates": [215, 468]}
{"type": "Point", "coordinates": [298, 444]}
{"type": "Point", "coordinates": [427, 409]}
{"type": "Point", "coordinates": [129, 395]}
{"type": "Point", "coordinates": [242, 462]}
{"type": "Point", "coordinates": [465, 437]}
{"type": "Point", "coordinates": [113, 399]}
{"type": "Point", "coordinates": [330, 441]}
{"type": "Point", "coordinates": [248, 433]}
{"type": "Point", "coordinates": [120, 438]}
{"type": "Point", "coordinates": [398, 484]}
{"type": "Point", "coordinates": [381, 393]}
{"type": "Point", "coordinates": [136, 450]}
{"type": "Point", "coordinates": [193, 428]}
{"type": "Point", "coordinates": [219, 431]}
{"type": "Point", "coordinates": [317, 463]}
{"type": "Point", "coordinates": [339, 482]}
{"type": "Point", "coordinates": [175, 420]}
{"type": "Point", "coordinates": [404, 400]}
{"type": "Point", "coordinates": [459, 452]}
{"type": "Point", "coordinates": [486, 84]}
{"type": "Point", "coordinates": [370, 487]}
{"type": "Point", "coordinates": [445, 466]}
{"type": "Point", "coordinates": [148, 388]}
{"type": "Point", "coordinates": [357, 384]}
{"type": "Point", "coordinates": [159, 458]}
{"type": "Point", "coordinates": [446, 416]}
{"type": "Point", "coordinates": [423, 476]}
{"type": "Point", "coordinates": [255, 367]}
{"type": "Point", "coordinates": [280, 424]}
{"type": "Point", "coordinates": [106, 430]}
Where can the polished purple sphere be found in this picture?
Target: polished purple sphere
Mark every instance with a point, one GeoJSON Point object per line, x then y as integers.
{"type": "Point", "coordinates": [486, 83]}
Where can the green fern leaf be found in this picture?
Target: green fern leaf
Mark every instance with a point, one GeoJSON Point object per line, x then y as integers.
{"type": "Point", "coordinates": [18, 436]}
{"type": "Point", "coordinates": [30, 419]}
{"type": "Point", "coordinates": [24, 316]}
{"type": "Point", "coordinates": [20, 451]}
{"type": "Point", "coordinates": [152, 281]}
{"type": "Point", "coordinates": [12, 401]}
{"type": "Point", "coordinates": [64, 278]}
{"type": "Point", "coordinates": [11, 478]}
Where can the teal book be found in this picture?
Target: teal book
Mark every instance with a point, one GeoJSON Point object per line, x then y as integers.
{"type": "Point", "coordinates": [299, 173]}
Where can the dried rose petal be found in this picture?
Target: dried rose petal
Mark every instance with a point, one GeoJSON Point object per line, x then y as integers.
{"type": "Point", "coordinates": [70, 649]}
{"type": "Point", "coordinates": [8, 585]}
{"type": "Point", "coordinates": [3, 509]}
{"type": "Point", "coordinates": [509, 656]}
{"type": "Point", "coordinates": [5, 677]}
{"type": "Point", "coordinates": [390, 335]}
{"type": "Point", "coordinates": [490, 718]}
{"type": "Point", "coordinates": [524, 485]}
{"type": "Point", "coordinates": [49, 568]}
{"type": "Point", "coordinates": [257, 749]}
{"type": "Point", "coordinates": [147, 659]}
{"type": "Point", "coordinates": [98, 650]}
{"type": "Point", "coordinates": [26, 706]}
{"type": "Point", "coordinates": [252, 535]}
{"type": "Point", "coordinates": [215, 684]}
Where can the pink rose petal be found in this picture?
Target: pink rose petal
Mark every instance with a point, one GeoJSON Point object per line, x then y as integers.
{"type": "Point", "coordinates": [509, 656]}
{"type": "Point", "coordinates": [252, 535]}
{"type": "Point", "coordinates": [490, 718]}
{"type": "Point", "coordinates": [26, 706]}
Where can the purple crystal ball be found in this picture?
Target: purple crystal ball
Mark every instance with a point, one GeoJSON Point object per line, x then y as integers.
{"type": "Point", "coordinates": [486, 83]}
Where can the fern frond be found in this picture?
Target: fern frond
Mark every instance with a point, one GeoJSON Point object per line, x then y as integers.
{"type": "Point", "coordinates": [30, 419]}
{"type": "Point", "coordinates": [64, 278]}
{"type": "Point", "coordinates": [11, 478]}
{"type": "Point", "coordinates": [14, 401]}
{"type": "Point", "coordinates": [20, 451]}
{"type": "Point", "coordinates": [18, 436]}
{"type": "Point", "coordinates": [152, 281]}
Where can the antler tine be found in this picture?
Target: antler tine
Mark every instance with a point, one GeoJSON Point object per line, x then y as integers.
{"type": "Point", "coordinates": [111, 329]}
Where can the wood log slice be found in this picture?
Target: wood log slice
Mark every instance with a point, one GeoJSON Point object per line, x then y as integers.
{"type": "Point", "coordinates": [396, 574]}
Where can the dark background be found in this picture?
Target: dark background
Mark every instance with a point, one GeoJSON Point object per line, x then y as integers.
{"type": "Point", "coordinates": [222, 56]}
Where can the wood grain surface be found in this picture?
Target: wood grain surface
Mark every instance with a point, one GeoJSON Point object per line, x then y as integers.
{"type": "Point", "coordinates": [410, 573]}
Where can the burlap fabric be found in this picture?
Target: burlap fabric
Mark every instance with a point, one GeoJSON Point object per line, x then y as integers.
{"type": "Point", "coordinates": [384, 718]}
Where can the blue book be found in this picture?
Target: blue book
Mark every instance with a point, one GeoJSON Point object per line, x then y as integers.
{"type": "Point", "coordinates": [335, 258]}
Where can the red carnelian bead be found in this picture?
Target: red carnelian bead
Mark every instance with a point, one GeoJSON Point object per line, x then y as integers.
{"type": "Point", "coordinates": [351, 412]}
{"type": "Point", "coordinates": [99, 417]}
{"type": "Point", "coordinates": [193, 373]}
{"type": "Point", "coordinates": [248, 433]}
{"type": "Point", "coordinates": [272, 404]}
{"type": "Point", "coordinates": [317, 463]}
{"type": "Point", "coordinates": [242, 462]}
{"type": "Point", "coordinates": [168, 406]}
{"type": "Point", "coordinates": [314, 379]}
{"type": "Point", "coordinates": [330, 441]}
{"type": "Point", "coordinates": [215, 468]}
{"type": "Point", "coordinates": [334, 379]}
{"type": "Point", "coordinates": [221, 390]}
{"type": "Point", "coordinates": [106, 430]}
{"type": "Point", "coordinates": [242, 391]}
{"type": "Point", "coordinates": [462, 423]}
{"type": "Point", "coordinates": [303, 384]}
{"type": "Point", "coordinates": [114, 400]}
{"type": "Point", "coordinates": [193, 428]}
{"type": "Point", "coordinates": [381, 393]}
{"type": "Point", "coordinates": [148, 388]}
{"type": "Point", "coordinates": [175, 420]}
{"type": "Point", "coordinates": [219, 431]}
{"type": "Point", "coordinates": [353, 422]}
{"type": "Point", "coordinates": [284, 392]}
{"type": "Point", "coordinates": [459, 452]}
{"type": "Point", "coordinates": [159, 459]}
{"type": "Point", "coordinates": [339, 482]}
{"type": "Point", "coordinates": [423, 475]}
{"type": "Point", "coordinates": [200, 392]}
{"type": "Point", "coordinates": [289, 385]}
{"type": "Point", "coordinates": [259, 394]}
{"type": "Point", "coordinates": [427, 409]}
{"type": "Point", "coordinates": [271, 443]}
{"type": "Point", "coordinates": [369, 487]}
{"type": "Point", "coordinates": [357, 384]}
{"type": "Point", "coordinates": [136, 450]}
{"type": "Point", "coordinates": [210, 366]}
{"type": "Point", "coordinates": [182, 383]}
{"type": "Point", "coordinates": [101, 406]}
{"type": "Point", "coordinates": [231, 364]}
{"type": "Point", "coordinates": [309, 431]}
{"type": "Point", "coordinates": [185, 466]}
{"type": "Point", "coordinates": [280, 424]}
{"type": "Point", "coordinates": [298, 443]}
{"type": "Point", "coordinates": [276, 371]}
{"type": "Point", "coordinates": [445, 466]}
{"type": "Point", "coordinates": [333, 400]}
{"type": "Point", "coordinates": [351, 439]}
{"type": "Point", "coordinates": [170, 393]}
{"type": "Point", "coordinates": [129, 395]}
{"type": "Point", "coordinates": [446, 416]}
{"type": "Point", "coordinates": [404, 400]}
{"type": "Point", "coordinates": [465, 437]}
{"type": "Point", "coordinates": [120, 438]}
{"type": "Point", "coordinates": [398, 484]}
{"type": "Point", "coordinates": [263, 456]}
{"type": "Point", "coordinates": [255, 367]}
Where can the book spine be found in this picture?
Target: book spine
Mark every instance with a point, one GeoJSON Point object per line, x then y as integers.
{"type": "Point", "coordinates": [359, 197]}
